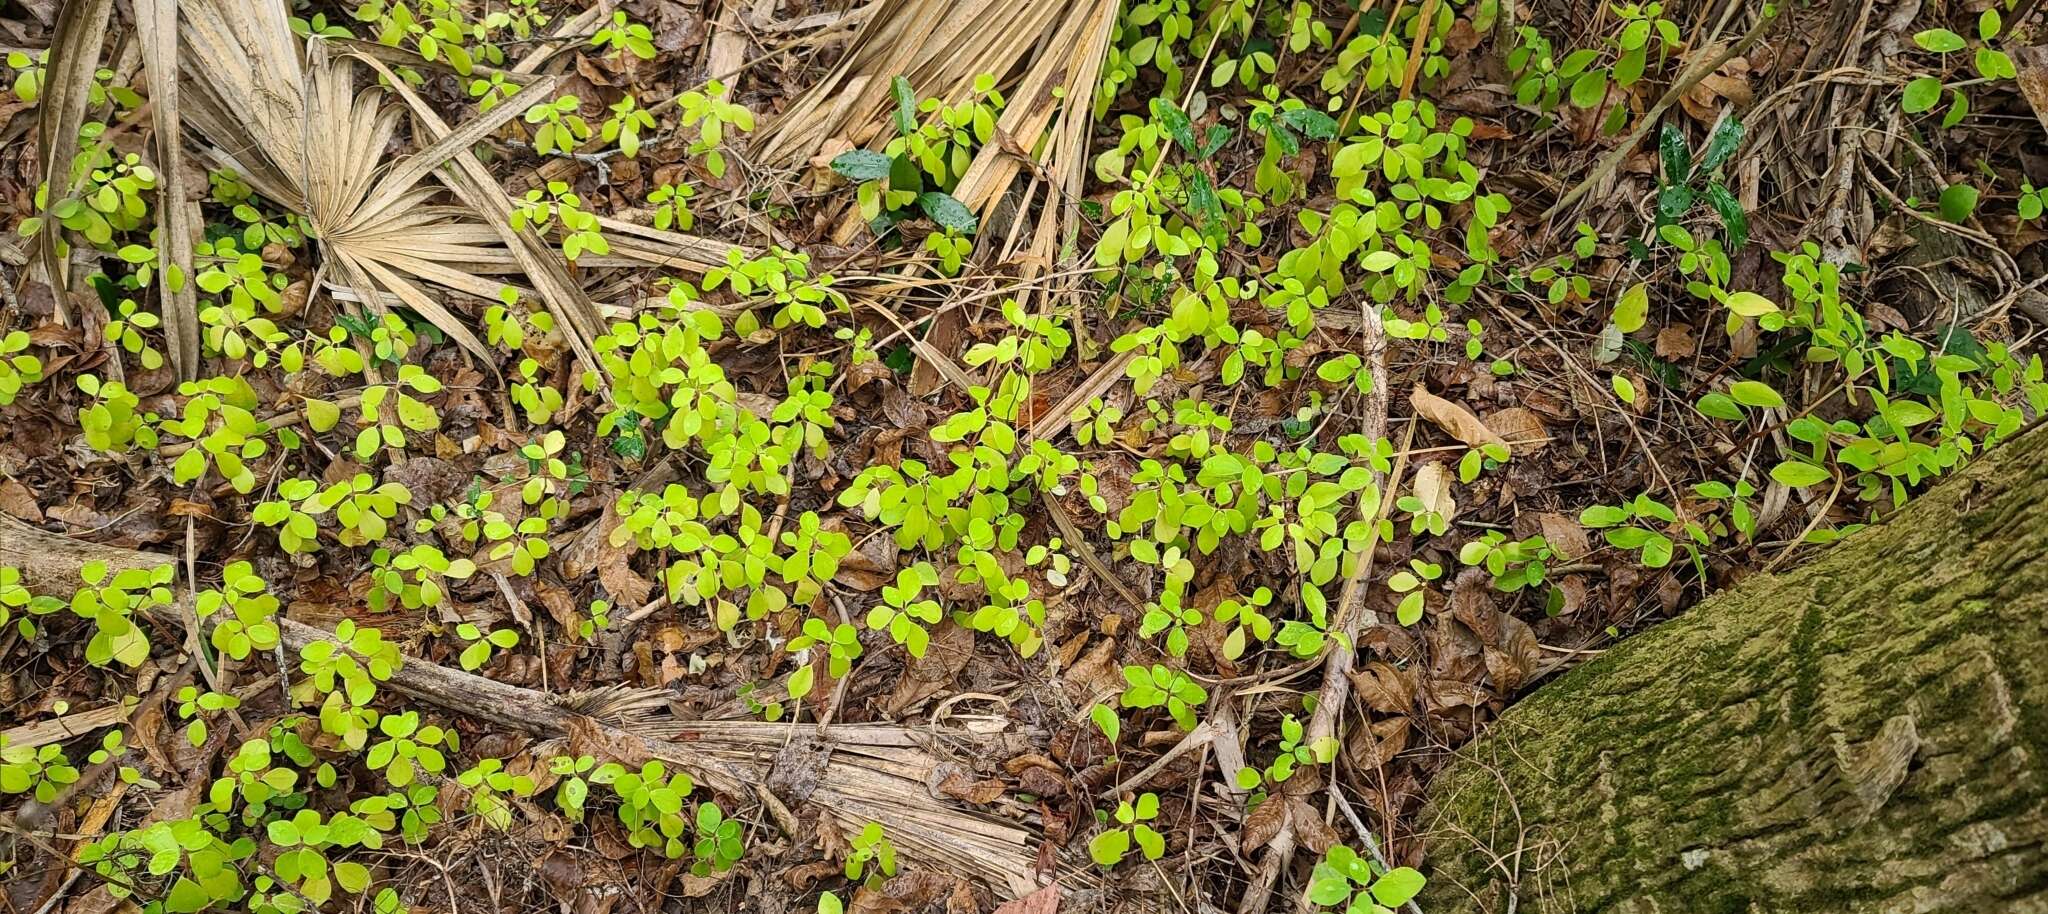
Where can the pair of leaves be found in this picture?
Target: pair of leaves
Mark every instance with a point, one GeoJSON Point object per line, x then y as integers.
{"type": "Point", "coordinates": [941, 207]}
{"type": "Point", "coordinates": [1676, 151]}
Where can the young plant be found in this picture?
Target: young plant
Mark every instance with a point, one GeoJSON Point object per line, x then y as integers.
{"type": "Point", "coordinates": [246, 611]}
{"type": "Point", "coordinates": [902, 614]}
{"type": "Point", "coordinates": [1156, 686]}
{"type": "Point", "coordinates": [624, 125]}
{"type": "Point", "coordinates": [712, 115]}
{"type": "Point", "coordinates": [1133, 825]}
{"type": "Point", "coordinates": [1514, 564]}
{"type": "Point", "coordinates": [543, 209]}
{"type": "Point", "coordinates": [671, 204]}
{"type": "Point", "coordinates": [561, 129]}
{"type": "Point", "coordinates": [1344, 881]}
{"type": "Point", "coordinates": [17, 368]}
{"type": "Point", "coordinates": [1686, 181]}
{"type": "Point", "coordinates": [872, 858]}
{"type": "Point", "coordinates": [482, 645]}
{"type": "Point", "coordinates": [842, 647]}
{"type": "Point", "coordinates": [622, 37]}
{"type": "Point", "coordinates": [1635, 526]}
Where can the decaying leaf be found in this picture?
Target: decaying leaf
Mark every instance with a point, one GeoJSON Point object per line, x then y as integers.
{"type": "Point", "coordinates": [1521, 428]}
{"type": "Point", "coordinates": [1432, 487]}
{"type": "Point", "coordinates": [1045, 900]}
{"type": "Point", "coordinates": [1452, 418]}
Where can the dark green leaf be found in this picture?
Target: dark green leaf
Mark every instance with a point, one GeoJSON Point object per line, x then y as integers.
{"type": "Point", "coordinates": [1722, 144]}
{"type": "Point", "coordinates": [1672, 202]}
{"type": "Point", "coordinates": [1176, 122]}
{"type": "Point", "coordinates": [1733, 219]}
{"type": "Point", "coordinates": [1312, 123]}
{"type": "Point", "coordinates": [1677, 154]}
{"type": "Point", "coordinates": [1218, 135]}
{"type": "Point", "coordinates": [906, 105]}
{"type": "Point", "coordinates": [904, 175]}
{"type": "Point", "coordinates": [862, 165]}
{"type": "Point", "coordinates": [1289, 143]}
{"type": "Point", "coordinates": [1202, 199]}
{"type": "Point", "coordinates": [947, 211]}
{"type": "Point", "coordinates": [1958, 201]}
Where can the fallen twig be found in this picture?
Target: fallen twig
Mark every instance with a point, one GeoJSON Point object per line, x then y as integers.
{"type": "Point", "coordinates": [1351, 616]}
{"type": "Point", "coordinates": [875, 773]}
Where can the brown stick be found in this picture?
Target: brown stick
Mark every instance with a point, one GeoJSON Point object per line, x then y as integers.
{"type": "Point", "coordinates": [1351, 617]}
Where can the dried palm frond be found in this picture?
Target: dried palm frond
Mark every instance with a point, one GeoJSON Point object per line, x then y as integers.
{"type": "Point", "coordinates": [157, 25]}
{"type": "Point", "coordinates": [67, 88]}
{"type": "Point", "coordinates": [295, 126]}
{"type": "Point", "coordinates": [1032, 48]}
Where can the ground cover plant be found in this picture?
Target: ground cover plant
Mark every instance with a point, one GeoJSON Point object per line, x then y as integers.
{"type": "Point", "coordinates": [805, 456]}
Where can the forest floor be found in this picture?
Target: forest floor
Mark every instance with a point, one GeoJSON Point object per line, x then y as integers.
{"type": "Point", "coordinates": [1015, 455]}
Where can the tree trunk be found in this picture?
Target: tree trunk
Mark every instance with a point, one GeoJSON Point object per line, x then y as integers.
{"type": "Point", "coordinates": [1868, 733]}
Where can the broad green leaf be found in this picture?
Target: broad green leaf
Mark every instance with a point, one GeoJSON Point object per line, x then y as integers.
{"type": "Point", "coordinates": [1720, 406]}
{"type": "Point", "coordinates": [1921, 94]}
{"type": "Point", "coordinates": [1727, 137]}
{"type": "Point", "coordinates": [1676, 154]}
{"type": "Point", "coordinates": [1755, 393]}
{"type": "Point", "coordinates": [862, 165]}
{"type": "Point", "coordinates": [1733, 218]}
{"type": "Point", "coordinates": [1110, 846]}
{"type": "Point", "coordinates": [1633, 309]}
{"type": "Point", "coordinates": [906, 105]}
{"type": "Point", "coordinates": [321, 415]}
{"type": "Point", "coordinates": [1625, 389]}
{"type": "Point", "coordinates": [1396, 887]}
{"type": "Point", "coordinates": [1750, 304]}
{"type": "Point", "coordinates": [1958, 201]}
{"type": "Point", "coordinates": [949, 212]}
{"type": "Point", "coordinates": [1940, 41]}
{"type": "Point", "coordinates": [1799, 474]}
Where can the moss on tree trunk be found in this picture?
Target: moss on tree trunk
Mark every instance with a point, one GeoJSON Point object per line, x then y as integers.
{"type": "Point", "coordinates": [1868, 733]}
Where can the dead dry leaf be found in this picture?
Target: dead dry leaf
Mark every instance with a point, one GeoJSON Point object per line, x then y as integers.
{"type": "Point", "coordinates": [1452, 418]}
{"type": "Point", "coordinates": [1044, 901]}
{"type": "Point", "coordinates": [1566, 538]}
{"type": "Point", "coordinates": [1432, 487]}
{"type": "Point", "coordinates": [1674, 341]}
{"type": "Point", "coordinates": [1521, 428]}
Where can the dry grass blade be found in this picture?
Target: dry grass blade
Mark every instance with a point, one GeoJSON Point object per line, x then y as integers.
{"type": "Point", "coordinates": [157, 25]}
{"type": "Point", "coordinates": [67, 88]}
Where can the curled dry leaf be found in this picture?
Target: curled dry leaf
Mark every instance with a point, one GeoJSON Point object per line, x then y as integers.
{"type": "Point", "coordinates": [1729, 83]}
{"type": "Point", "coordinates": [1373, 747]}
{"type": "Point", "coordinates": [1263, 824]}
{"type": "Point", "coordinates": [1515, 659]}
{"type": "Point", "coordinates": [1452, 418]}
{"type": "Point", "coordinates": [1384, 688]}
{"type": "Point", "coordinates": [1433, 489]}
{"type": "Point", "coordinates": [1675, 341]}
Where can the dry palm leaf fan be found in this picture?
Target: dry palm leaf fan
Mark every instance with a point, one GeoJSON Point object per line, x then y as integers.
{"type": "Point", "coordinates": [1032, 47]}
{"type": "Point", "coordinates": [288, 117]}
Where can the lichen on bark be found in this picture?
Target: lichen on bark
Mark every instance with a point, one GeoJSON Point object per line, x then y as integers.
{"type": "Point", "coordinates": [1866, 733]}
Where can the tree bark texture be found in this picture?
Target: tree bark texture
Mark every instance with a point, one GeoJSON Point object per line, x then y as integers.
{"type": "Point", "coordinates": [1868, 733]}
